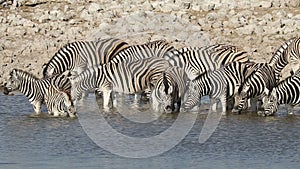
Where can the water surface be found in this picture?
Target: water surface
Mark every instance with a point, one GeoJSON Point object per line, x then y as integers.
{"type": "Point", "coordinates": [240, 141]}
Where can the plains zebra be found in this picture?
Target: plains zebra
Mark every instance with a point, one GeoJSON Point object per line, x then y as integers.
{"type": "Point", "coordinates": [59, 102]}
{"type": "Point", "coordinates": [151, 49]}
{"type": "Point", "coordinates": [33, 88]}
{"type": "Point", "coordinates": [289, 51]}
{"type": "Point", "coordinates": [128, 78]}
{"type": "Point", "coordinates": [169, 90]}
{"type": "Point", "coordinates": [220, 85]}
{"type": "Point", "coordinates": [196, 61]}
{"type": "Point", "coordinates": [258, 82]}
{"type": "Point", "coordinates": [286, 92]}
{"type": "Point", "coordinates": [80, 55]}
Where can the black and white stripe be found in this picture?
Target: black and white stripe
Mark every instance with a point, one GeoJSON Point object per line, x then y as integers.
{"type": "Point", "coordinates": [127, 78]}
{"type": "Point", "coordinates": [151, 49]}
{"type": "Point", "coordinates": [289, 51]}
{"type": "Point", "coordinates": [220, 85]}
{"type": "Point", "coordinates": [169, 90]}
{"type": "Point", "coordinates": [196, 61]}
{"type": "Point", "coordinates": [257, 84]}
{"type": "Point", "coordinates": [286, 92]}
{"type": "Point", "coordinates": [82, 54]}
{"type": "Point", "coordinates": [59, 102]}
{"type": "Point", "coordinates": [33, 88]}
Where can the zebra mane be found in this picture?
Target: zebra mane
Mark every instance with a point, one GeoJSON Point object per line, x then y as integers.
{"type": "Point", "coordinates": [281, 52]}
{"type": "Point", "coordinates": [24, 74]}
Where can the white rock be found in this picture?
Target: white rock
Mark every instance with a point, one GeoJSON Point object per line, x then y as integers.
{"type": "Point", "coordinates": [94, 7]}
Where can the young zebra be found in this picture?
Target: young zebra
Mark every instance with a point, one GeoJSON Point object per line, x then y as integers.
{"type": "Point", "coordinates": [220, 85]}
{"type": "Point", "coordinates": [196, 61]}
{"type": "Point", "coordinates": [128, 78]}
{"type": "Point", "coordinates": [257, 84]}
{"type": "Point", "coordinates": [80, 55]}
{"type": "Point", "coordinates": [286, 92]}
{"type": "Point", "coordinates": [33, 88]}
{"type": "Point", "coordinates": [169, 90]}
{"type": "Point", "coordinates": [288, 52]}
{"type": "Point", "coordinates": [59, 103]}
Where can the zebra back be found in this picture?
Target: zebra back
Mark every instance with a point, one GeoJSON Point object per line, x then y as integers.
{"type": "Point", "coordinates": [288, 51]}
{"type": "Point", "coordinates": [135, 52]}
{"type": "Point", "coordinates": [129, 78]}
{"type": "Point", "coordinates": [82, 54]}
{"type": "Point", "coordinates": [197, 61]}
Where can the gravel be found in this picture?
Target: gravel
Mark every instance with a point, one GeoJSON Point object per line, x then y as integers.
{"type": "Point", "coordinates": [33, 30]}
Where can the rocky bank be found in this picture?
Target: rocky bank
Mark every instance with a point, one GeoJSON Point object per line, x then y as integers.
{"type": "Point", "coordinates": [33, 30]}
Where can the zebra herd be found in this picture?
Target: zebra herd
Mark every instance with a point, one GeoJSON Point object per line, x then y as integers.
{"type": "Point", "coordinates": [176, 78]}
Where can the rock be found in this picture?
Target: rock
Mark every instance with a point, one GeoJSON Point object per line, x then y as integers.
{"type": "Point", "coordinates": [94, 7]}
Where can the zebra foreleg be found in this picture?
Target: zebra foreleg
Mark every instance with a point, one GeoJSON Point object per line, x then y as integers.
{"type": "Point", "coordinates": [223, 102]}
{"type": "Point", "coordinates": [290, 109]}
{"type": "Point", "coordinates": [106, 99]}
{"type": "Point", "coordinates": [155, 103]}
{"type": "Point", "coordinates": [214, 105]}
{"type": "Point", "coordinates": [37, 107]}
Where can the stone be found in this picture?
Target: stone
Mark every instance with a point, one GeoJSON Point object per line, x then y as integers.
{"type": "Point", "coordinates": [94, 7]}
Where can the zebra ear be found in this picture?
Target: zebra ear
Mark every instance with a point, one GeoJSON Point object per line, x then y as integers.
{"type": "Point", "coordinates": [267, 92]}
{"type": "Point", "coordinates": [71, 74]}
{"type": "Point", "coordinates": [51, 72]}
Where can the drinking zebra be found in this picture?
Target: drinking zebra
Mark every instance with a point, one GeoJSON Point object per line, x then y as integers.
{"type": "Point", "coordinates": [59, 103]}
{"type": "Point", "coordinates": [80, 55]}
{"type": "Point", "coordinates": [169, 90]}
{"type": "Point", "coordinates": [257, 84]}
{"type": "Point", "coordinates": [128, 78]}
{"type": "Point", "coordinates": [288, 52]}
{"type": "Point", "coordinates": [220, 85]}
{"type": "Point", "coordinates": [33, 88]}
{"type": "Point", "coordinates": [286, 92]}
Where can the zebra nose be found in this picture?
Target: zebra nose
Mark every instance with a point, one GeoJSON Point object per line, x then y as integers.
{"type": "Point", "coordinates": [236, 110]}
{"type": "Point", "coordinates": [168, 109]}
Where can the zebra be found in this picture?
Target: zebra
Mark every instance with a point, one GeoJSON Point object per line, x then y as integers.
{"type": "Point", "coordinates": [80, 55]}
{"type": "Point", "coordinates": [33, 88]}
{"type": "Point", "coordinates": [127, 78]}
{"type": "Point", "coordinates": [285, 92]}
{"type": "Point", "coordinates": [289, 51]}
{"type": "Point", "coordinates": [196, 61]}
{"type": "Point", "coordinates": [59, 102]}
{"type": "Point", "coordinates": [220, 85]}
{"type": "Point", "coordinates": [169, 90]}
{"type": "Point", "coordinates": [259, 81]}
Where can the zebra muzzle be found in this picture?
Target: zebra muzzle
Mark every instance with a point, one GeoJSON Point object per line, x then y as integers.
{"type": "Point", "coordinates": [7, 91]}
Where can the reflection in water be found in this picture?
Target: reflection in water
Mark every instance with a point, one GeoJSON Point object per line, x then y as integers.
{"type": "Point", "coordinates": [240, 141]}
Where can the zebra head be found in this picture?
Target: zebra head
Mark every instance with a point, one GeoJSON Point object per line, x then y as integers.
{"type": "Point", "coordinates": [71, 110]}
{"type": "Point", "coordinates": [14, 81]}
{"type": "Point", "coordinates": [241, 99]}
{"type": "Point", "coordinates": [192, 96]}
{"type": "Point", "coordinates": [270, 104]}
{"type": "Point", "coordinates": [48, 70]}
{"type": "Point", "coordinates": [166, 93]}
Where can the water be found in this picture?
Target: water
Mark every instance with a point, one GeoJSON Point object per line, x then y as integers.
{"type": "Point", "coordinates": [240, 141]}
